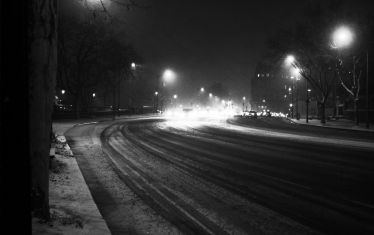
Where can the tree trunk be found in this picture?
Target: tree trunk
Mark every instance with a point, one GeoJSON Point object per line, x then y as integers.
{"type": "Point", "coordinates": [42, 48]}
{"type": "Point", "coordinates": [355, 107]}
{"type": "Point", "coordinates": [323, 112]}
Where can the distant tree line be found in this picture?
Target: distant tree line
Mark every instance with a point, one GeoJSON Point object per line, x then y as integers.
{"type": "Point", "coordinates": [90, 56]}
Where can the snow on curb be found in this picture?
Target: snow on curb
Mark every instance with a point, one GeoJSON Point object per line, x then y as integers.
{"type": "Point", "coordinates": [73, 209]}
{"type": "Point", "coordinates": [62, 147]}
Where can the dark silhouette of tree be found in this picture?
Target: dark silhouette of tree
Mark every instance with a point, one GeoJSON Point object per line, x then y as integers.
{"type": "Point", "coordinates": [42, 58]}
{"type": "Point", "coordinates": [80, 47]}
{"type": "Point", "coordinates": [42, 47]}
{"type": "Point", "coordinates": [351, 80]}
{"type": "Point", "coordinates": [115, 66]}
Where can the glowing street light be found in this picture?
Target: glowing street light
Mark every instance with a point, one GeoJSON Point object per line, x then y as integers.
{"type": "Point", "coordinates": [342, 37]}
{"type": "Point", "coordinates": [155, 101]}
{"type": "Point", "coordinates": [210, 95]}
{"type": "Point", "coordinates": [243, 102]}
{"type": "Point", "coordinates": [133, 65]}
{"type": "Point", "coordinates": [202, 89]}
{"type": "Point", "coordinates": [93, 95]}
{"type": "Point", "coordinates": [290, 59]}
{"type": "Point", "coordinates": [168, 76]}
{"type": "Point", "coordinates": [175, 96]}
{"type": "Point", "coordinates": [62, 91]}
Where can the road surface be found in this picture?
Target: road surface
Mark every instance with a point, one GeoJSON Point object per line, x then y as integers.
{"type": "Point", "coordinates": [240, 176]}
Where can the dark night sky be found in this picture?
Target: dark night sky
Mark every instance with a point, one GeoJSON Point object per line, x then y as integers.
{"type": "Point", "coordinates": [208, 41]}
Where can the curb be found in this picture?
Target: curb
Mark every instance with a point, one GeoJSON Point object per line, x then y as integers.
{"type": "Point", "coordinates": [94, 221]}
{"type": "Point", "coordinates": [332, 127]}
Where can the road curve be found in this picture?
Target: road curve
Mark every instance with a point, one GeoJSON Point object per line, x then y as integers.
{"type": "Point", "coordinates": [247, 177]}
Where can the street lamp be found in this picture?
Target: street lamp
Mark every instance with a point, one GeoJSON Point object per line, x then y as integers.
{"type": "Point", "coordinates": [210, 95]}
{"type": "Point", "coordinates": [133, 65]}
{"type": "Point", "coordinates": [295, 72]}
{"type": "Point", "coordinates": [342, 37]}
{"type": "Point", "coordinates": [62, 91]}
{"type": "Point", "coordinates": [243, 102]}
{"type": "Point", "coordinates": [295, 78]}
{"type": "Point", "coordinates": [93, 95]}
{"type": "Point", "coordinates": [168, 76]}
{"type": "Point", "coordinates": [307, 103]}
{"type": "Point", "coordinates": [202, 89]}
{"type": "Point", "coordinates": [156, 101]}
{"type": "Point", "coordinates": [175, 96]}
{"type": "Point", "coordinates": [290, 59]}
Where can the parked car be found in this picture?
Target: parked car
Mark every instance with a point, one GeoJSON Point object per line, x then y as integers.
{"type": "Point", "coordinates": [250, 114]}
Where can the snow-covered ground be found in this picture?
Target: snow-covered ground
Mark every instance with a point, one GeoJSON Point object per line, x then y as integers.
{"type": "Point", "coordinates": [72, 208]}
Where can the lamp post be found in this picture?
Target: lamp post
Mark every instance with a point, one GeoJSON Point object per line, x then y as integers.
{"type": "Point", "coordinates": [175, 96]}
{"type": "Point", "coordinates": [156, 101]}
{"type": "Point", "coordinates": [201, 97]}
{"type": "Point", "coordinates": [295, 72]}
{"type": "Point", "coordinates": [168, 76]}
{"type": "Point", "coordinates": [342, 38]}
{"type": "Point", "coordinates": [133, 66]}
{"type": "Point", "coordinates": [307, 103]}
{"type": "Point", "coordinates": [290, 59]}
{"type": "Point", "coordinates": [243, 102]}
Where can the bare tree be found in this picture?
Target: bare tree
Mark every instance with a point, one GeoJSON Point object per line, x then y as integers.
{"type": "Point", "coordinates": [309, 42]}
{"type": "Point", "coordinates": [350, 80]}
{"type": "Point", "coordinates": [42, 69]}
{"type": "Point", "coordinates": [115, 65]}
{"type": "Point", "coordinates": [80, 45]}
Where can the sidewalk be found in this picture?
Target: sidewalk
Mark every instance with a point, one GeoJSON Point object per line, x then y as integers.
{"type": "Point", "coordinates": [73, 210]}
{"type": "Point", "coordinates": [338, 124]}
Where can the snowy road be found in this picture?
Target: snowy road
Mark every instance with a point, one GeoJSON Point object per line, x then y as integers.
{"type": "Point", "coordinates": [261, 176]}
